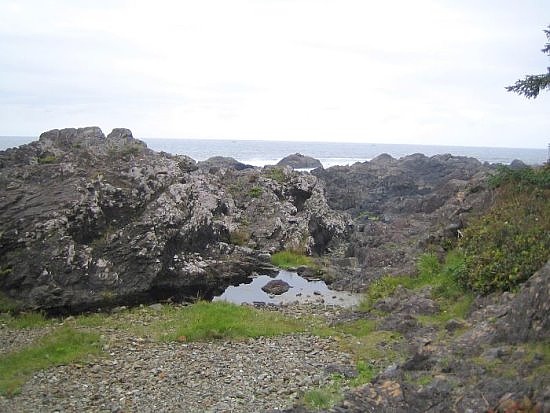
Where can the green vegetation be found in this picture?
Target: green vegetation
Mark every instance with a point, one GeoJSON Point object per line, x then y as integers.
{"type": "Point", "coordinates": [7, 304]}
{"type": "Point", "coordinates": [507, 245]}
{"type": "Point", "coordinates": [26, 320]}
{"type": "Point", "coordinates": [531, 86]}
{"type": "Point", "coordinates": [324, 397]}
{"type": "Point", "coordinates": [290, 259]}
{"type": "Point", "coordinates": [221, 320]}
{"type": "Point", "coordinates": [47, 159]}
{"type": "Point", "coordinates": [277, 174]}
{"type": "Point", "coordinates": [443, 278]}
{"type": "Point", "coordinates": [255, 192]}
{"type": "Point", "coordinates": [64, 345]}
{"type": "Point", "coordinates": [239, 237]}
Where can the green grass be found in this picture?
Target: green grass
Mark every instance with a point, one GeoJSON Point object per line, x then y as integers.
{"type": "Point", "coordinates": [290, 259]}
{"type": "Point", "coordinates": [442, 278]}
{"type": "Point", "coordinates": [255, 192]}
{"type": "Point", "coordinates": [221, 320]}
{"type": "Point", "coordinates": [64, 345]}
{"type": "Point", "coordinates": [324, 397]}
{"type": "Point", "coordinates": [26, 320]}
{"type": "Point", "coordinates": [277, 174]}
{"type": "Point", "coordinates": [7, 304]}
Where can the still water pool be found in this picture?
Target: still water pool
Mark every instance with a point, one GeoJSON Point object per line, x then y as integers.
{"type": "Point", "coordinates": [301, 291]}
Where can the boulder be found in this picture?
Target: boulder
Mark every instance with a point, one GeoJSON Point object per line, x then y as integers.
{"type": "Point", "coordinates": [276, 287]}
{"type": "Point", "coordinates": [225, 162]}
{"type": "Point", "coordinates": [299, 161]}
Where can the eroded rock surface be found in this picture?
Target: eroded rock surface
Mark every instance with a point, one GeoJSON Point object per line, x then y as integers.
{"type": "Point", "coordinates": [90, 221]}
{"type": "Point", "coordinates": [399, 207]}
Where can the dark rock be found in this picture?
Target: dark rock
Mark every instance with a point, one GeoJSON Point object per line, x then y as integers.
{"type": "Point", "coordinates": [408, 302]}
{"type": "Point", "coordinates": [402, 205]}
{"type": "Point", "coordinates": [218, 162]}
{"type": "Point", "coordinates": [299, 161]}
{"type": "Point", "coordinates": [420, 361]}
{"type": "Point", "coordinates": [346, 371]}
{"type": "Point", "coordinates": [276, 287]}
{"type": "Point", "coordinates": [89, 221]}
{"type": "Point", "coordinates": [528, 315]}
{"type": "Point", "coordinates": [517, 164]}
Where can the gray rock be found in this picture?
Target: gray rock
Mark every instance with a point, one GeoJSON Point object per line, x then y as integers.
{"type": "Point", "coordinates": [89, 221]}
{"type": "Point", "coordinates": [299, 161]}
{"type": "Point", "coordinates": [276, 287]}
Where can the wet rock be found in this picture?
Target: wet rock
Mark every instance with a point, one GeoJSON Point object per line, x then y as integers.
{"type": "Point", "coordinates": [276, 287]}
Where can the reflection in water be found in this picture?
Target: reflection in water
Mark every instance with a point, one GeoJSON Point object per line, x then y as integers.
{"type": "Point", "coordinates": [301, 290]}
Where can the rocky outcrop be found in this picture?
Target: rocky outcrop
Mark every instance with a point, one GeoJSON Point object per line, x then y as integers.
{"type": "Point", "coordinates": [528, 316]}
{"type": "Point", "coordinates": [299, 161]}
{"type": "Point", "coordinates": [90, 221]}
{"type": "Point", "coordinates": [222, 162]}
{"type": "Point", "coordinates": [400, 206]}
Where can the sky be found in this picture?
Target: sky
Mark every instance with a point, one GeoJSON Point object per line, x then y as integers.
{"type": "Point", "coordinates": [418, 72]}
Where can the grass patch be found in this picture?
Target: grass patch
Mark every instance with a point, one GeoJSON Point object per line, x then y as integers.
{"type": "Point", "coordinates": [324, 397]}
{"type": "Point", "coordinates": [277, 174]}
{"type": "Point", "coordinates": [255, 192]}
{"type": "Point", "coordinates": [204, 321]}
{"type": "Point", "coordinates": [239, 237]}
{"type": "Point", "coordinates": [47, 159]}
{"type": "Point", "coordinates": [290, 259]}
{"type": "Point", "coordinates": [65, 345]}
{"type": "Point", "coordinates": [26, 320]}
{"type": "Point", "coordinates": [443, 278]}
{"type": "Point", "coordinates": [7, 304]}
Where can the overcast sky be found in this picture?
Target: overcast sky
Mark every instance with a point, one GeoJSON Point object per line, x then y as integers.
{"type": "Point", "coordinates": [401, 71]}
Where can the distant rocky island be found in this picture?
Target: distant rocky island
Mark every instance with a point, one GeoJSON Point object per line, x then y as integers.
{"type": "Point", "coordinates": [92, 222]}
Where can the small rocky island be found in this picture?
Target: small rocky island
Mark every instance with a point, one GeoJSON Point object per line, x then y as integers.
{"type": "Point", "coordinates": [90, 223]}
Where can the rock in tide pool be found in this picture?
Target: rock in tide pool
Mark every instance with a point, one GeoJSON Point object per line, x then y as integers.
{"type": "Point", "coordinates": [276, 287]}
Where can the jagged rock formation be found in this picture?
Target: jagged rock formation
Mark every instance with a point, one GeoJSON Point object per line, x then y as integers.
{"type": "Point", "coordinates": [400, 206]}
{"type": "Point", "coordinates": [90, 221]}
{"type": "Point", "coordinates": [299, 161]}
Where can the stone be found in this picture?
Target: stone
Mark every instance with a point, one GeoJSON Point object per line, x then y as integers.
{"type": "Point", "coordinates": [276, 287]}
{"type": "Point", "coordinates": [299, 161]}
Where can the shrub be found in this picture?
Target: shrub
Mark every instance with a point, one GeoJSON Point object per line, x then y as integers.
{"type": "Point", "coordinates": [507, 245]}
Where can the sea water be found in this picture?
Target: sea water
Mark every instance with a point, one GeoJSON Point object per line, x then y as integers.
{"type": "Point", "coordinates": [261, 153]}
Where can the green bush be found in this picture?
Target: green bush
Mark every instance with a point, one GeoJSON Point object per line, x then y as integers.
{"type": "Point", "coordinates": [506, 246]}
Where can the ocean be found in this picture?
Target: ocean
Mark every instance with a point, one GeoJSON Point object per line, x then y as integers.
{"type": "Point", "coordinates": [261, 153]}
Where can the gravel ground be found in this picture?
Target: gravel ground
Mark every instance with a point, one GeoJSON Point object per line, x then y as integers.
{"type": "Point", "coordinates": [140, 375]}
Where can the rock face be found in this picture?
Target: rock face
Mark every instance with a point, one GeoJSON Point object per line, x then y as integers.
{"type": "Point", "coordinates": [528, 318]}
{"type": "Point", "coordinates": [399, 207]}
{"type": "Point", "coordinates": [299, 161]}
{"type": "Point", "coordinates": [90, 221]}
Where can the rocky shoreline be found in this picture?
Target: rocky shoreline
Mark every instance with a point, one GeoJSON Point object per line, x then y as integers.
{"type": "Point", "coordinates": [92, 222]}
